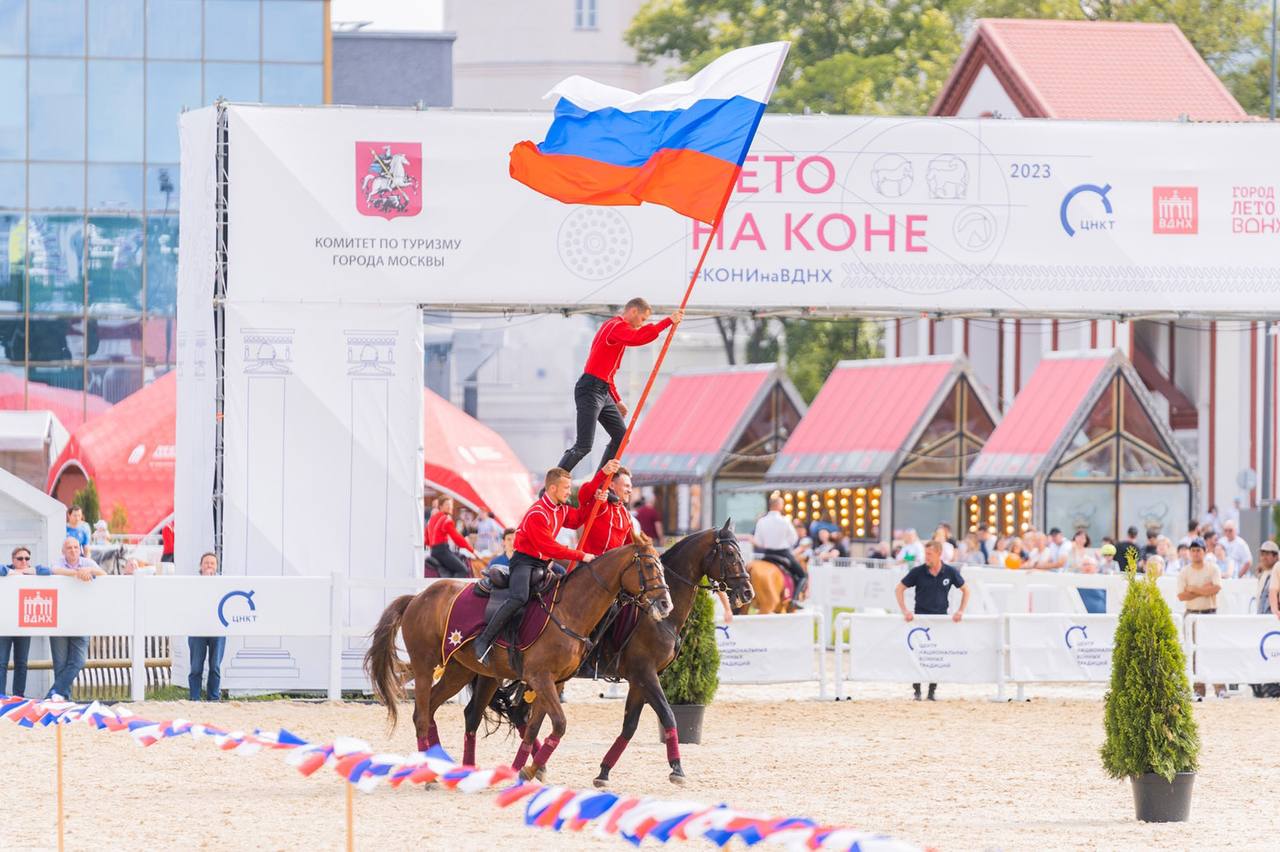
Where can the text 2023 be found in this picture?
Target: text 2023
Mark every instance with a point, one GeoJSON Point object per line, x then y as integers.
{"type": "Point", "coordinates": [1030, 171]}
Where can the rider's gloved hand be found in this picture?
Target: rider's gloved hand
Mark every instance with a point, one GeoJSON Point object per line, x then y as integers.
{"type": "Point", "coordinates": [558, 569]}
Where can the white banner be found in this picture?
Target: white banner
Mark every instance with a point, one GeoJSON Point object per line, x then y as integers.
{"type": "Point", "coordinates": [323, 463]}
{"type": "Point", "coordinates": [768, 648]}
{"type": "Point", "coordinates": [1234, 648]}
{"type": "Point", "coordinates": [235, 606]}
{"type": "Point", "coordinates": [1047, 648]}
{"type": "Point", "coordinates": [929, 648]}
{"type": "Point", "coordinates": [831, 212]}
{"type": "Point", "coordinates": [66, 606]}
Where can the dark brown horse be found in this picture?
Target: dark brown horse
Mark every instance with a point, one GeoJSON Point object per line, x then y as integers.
{"type": "Point", "coordinates": [634, 570]}
{"type": "Point", "coordinates": [711, 555]}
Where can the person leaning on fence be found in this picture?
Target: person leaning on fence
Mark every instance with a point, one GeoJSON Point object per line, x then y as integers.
{"type": "Point", "coordinates": [20, 646]}
{"type": "Point", "coordinates": [1198, 586]}
{"type": "Point", "coordinates": [206, 648]}
{"type": "Point", "coordinates": [70, 652]}
{"type": "Point", "coordinates": [1268, 603]}
{"type": "Point", "coordinates": [933, 582]}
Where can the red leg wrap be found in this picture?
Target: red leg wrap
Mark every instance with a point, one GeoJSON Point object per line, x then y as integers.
{"type": "Point", "coordinates": [522, 757]}
{"type": "Point", "coordinates": [423, 745]}
{"type": "Point", "coordinates": [433, 738]}
{"type": "Point", "coordinates": [469, 749]}
{"type": "Point", "coordinates": [544, 753]}
{"type": "Point", "coordinates": [615, 751]}
{"type": "Point", "coordinates": [537, 743]}
{"type": "Point", "coordinates": [673, 744]}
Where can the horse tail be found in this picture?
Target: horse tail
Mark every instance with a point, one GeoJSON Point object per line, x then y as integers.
{"type": "Point", "coordinates": [507, 706]}
{"type": "Point", "coordinates": [381, 662]}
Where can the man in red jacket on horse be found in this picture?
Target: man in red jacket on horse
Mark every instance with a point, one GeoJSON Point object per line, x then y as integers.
{"type": "Point", "coordinates": [536, 546]}
{"type": "Point", "coordinates": [613, 525]}
{"type": "Point", "coordinates": [595, 396]}
{"type": "Point", "coordinates": [440, 531]}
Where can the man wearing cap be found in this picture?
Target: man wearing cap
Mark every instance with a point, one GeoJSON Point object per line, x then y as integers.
{"type": "Point", "coordinates": [1268, 602]}
{"type": "Point", "coordinates": [1198, 587]}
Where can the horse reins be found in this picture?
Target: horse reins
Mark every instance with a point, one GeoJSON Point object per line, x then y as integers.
{"type": "Point", "coordinates": [628, 598]}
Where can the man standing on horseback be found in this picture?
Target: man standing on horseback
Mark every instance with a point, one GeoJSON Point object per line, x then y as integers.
{"type": "Point", "coordinates": [595, 396]}
{"type": "Point", "coordinates": [775, 537]}
{"type": "Point", "coordinates": [613, 525]}
{"type": "Point", "coordinates": [536, 546]}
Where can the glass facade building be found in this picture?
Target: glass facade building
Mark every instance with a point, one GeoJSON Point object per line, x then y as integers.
{"type": "Point", "coordinates": [90, 94]}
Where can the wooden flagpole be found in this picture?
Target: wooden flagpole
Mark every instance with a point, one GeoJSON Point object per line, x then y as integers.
{"type": "Point", "coordinates": [351, 825]}
{"type": "Point", "coordinates": [61, 820]}
{"type": "Point", "coordinates": [662, 354]}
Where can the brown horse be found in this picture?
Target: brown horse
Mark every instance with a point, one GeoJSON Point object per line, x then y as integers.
{"type": "Point", "coordinates": [634, 570]}
{"type": "Point", "coordinates": [772, 596]}
{"type": "Point", "coordinates": [710, 554]}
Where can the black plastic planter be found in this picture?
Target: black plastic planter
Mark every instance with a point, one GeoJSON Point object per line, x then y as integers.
{"type": "Point", "coordinates": [689, 722]}
{"type": "Point", "coordinates": [1158, 800]}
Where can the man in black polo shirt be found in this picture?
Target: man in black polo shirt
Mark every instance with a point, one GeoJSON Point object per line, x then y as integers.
{"type": "Point", "coordinates": [933, 581]}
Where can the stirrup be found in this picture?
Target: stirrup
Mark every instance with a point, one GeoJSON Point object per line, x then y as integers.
{"type": "Point", "coordinates": [481, 656]}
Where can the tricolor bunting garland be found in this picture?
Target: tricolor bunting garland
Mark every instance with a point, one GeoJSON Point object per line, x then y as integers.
{"type": "Point", "coordinates": [634, 819]}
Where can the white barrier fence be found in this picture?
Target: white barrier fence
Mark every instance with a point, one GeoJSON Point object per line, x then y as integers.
{"type": "Point", "coordinates": [753, 649]}
{"type": "Point", "coordinates": [868, 585]}
{"type": "Point", "coordinates": [773, 649]}
{"type": "Point", "coordinates": [1024, 648]}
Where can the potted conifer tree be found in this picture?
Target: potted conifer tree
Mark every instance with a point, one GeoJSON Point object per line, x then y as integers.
{"type": "Point", "coordinates": [691, 680]}
{"type": "Point", "coordinates": [1151, 734]}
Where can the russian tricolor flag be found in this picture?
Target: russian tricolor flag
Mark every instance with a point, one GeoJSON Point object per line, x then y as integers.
{"type": "Point", "coordinates": [680, 145]}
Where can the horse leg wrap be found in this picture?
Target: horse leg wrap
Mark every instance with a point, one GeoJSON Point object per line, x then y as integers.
{"type": "Point", "coordinates": [537, 743]}
{"type": "Point", "coordinates": [469, 749]}
{"type": "Point", "coordinates": [615, 751]}
{"type": "Point", "coordinates": [423, 744]}
{"type": "Point", "coordinates": [433, 737]}
{"type": "Point", "coordinates": [673, 744]}
{"type": "Point", "coordinates": [522, 757]}
{"type": "Point", "coordinates": [544, 753]}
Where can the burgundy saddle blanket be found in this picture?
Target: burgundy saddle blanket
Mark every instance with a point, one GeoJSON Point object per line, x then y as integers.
{"type": "Point", "coordinates": [466, 620]}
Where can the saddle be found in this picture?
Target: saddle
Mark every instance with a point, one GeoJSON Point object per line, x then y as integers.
{"type": "Point", "coordinates": [497, 578]}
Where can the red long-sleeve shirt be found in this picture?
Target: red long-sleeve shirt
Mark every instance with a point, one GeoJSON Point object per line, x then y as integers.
{"type": "Point", "coordinates": [536, 535]}
{"type": "Point", "coordinates": [440, 529]}
{"type": "Point", "coordinates": [612, 526]}
{"type": "Point", "coordinates": [611, 341]}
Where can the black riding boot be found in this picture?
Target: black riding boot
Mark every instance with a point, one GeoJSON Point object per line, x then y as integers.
{"type": "Point", "coordinates": [484, 642]}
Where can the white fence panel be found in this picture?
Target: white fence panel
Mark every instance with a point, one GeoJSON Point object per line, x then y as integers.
{"type": "Point", "coordinates": [1047, 648]}
{"type": "Point", "coordinates": [235, 606]}
{"type": "Point", "coordinates": [929, 648]}
{"type": "Point", "coordinates": [1234, 648]}
{"type": "Point", "coordinates": [66, 606]}
{"type": "Point", "coordinates": [773, 649]}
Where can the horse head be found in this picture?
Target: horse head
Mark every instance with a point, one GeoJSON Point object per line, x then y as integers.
{"type": "Point", "coordinates": [730, 571]}
{"type": "Point", "coordinates": [647, 585]}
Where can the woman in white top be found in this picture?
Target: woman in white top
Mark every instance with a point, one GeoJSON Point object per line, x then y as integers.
{"type": "Point", "coordinates": [912, 551]}
{"type": "Point", "coordinates": [1079, 553]}
{"type": "Point", "coordinates": [999, 553]}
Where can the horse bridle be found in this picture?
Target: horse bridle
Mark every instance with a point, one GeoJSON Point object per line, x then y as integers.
{"type": "Point", "coordinates": [641, 556]}
{"type": "Point", "coordinates": [627, 598]}
{"type": "Point", "coordinates": [726, 546]}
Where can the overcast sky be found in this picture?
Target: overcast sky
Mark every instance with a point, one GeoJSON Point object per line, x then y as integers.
{"type": "Point", "coordinates": [391, 14]}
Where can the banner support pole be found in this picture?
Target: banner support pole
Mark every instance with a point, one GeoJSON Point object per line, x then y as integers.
{"type": "Point", "coordinates": [61, 819]}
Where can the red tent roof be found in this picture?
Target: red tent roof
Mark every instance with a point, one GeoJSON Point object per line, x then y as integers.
{"type": "Point", "coordinates": [696, 419]}
{"type": "Point", "coordinates": [1042, 411]}
{"type": "Point", "coordinates": [862, 418]}
{"type": "Point", "coordinates": [1091, 70]}
{"type": "Point", "coordinates": [69, 406]}
{"type": "Point", "coordinates": [128, 452]}
{"type": "Point", "coordinates": [469, 460]}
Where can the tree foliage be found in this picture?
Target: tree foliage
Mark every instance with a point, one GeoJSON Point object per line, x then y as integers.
{"type": "Point", "coordinates": [87, 499]}
{"type": "Point", "coordinates": [1148, 719]}
{"type": "Point", "coordinates": [874, 57]}
{"type": "Point", "coordinates": [694, 675]}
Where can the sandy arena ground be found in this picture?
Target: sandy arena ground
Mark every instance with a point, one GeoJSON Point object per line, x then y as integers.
{"type": "Point", "coordinates": [962, 773]}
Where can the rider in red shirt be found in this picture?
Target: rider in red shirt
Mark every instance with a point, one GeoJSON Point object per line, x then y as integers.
{"type": "Point", "coordinates": [612, 526]}
{"type": "Point", "coordinates": [535, 547]}
{"type": "Point", "coordinates": [441, 531]}
{"type": "Point", "coordinates": [595, 395]}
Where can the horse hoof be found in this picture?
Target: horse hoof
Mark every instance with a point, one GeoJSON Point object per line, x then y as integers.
{"type": "Point", "coordinates": [529, 773]}
{"type": "Point", "coordinates": [541, 774]}
{"type": "Point", "coordinates": [600, 783]}
{"type": "Point", "coordinates": [676, 778]}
